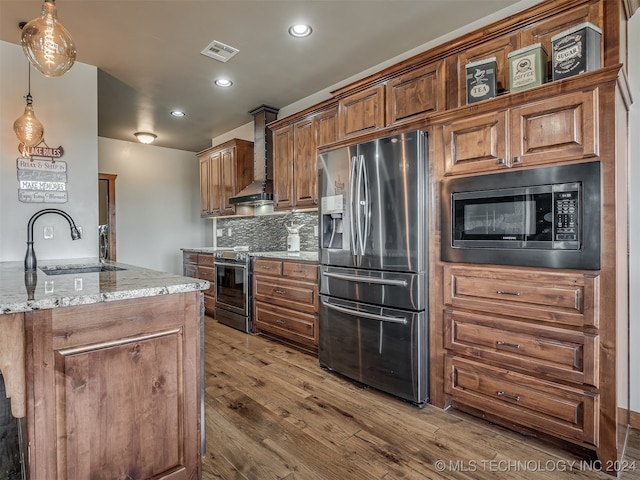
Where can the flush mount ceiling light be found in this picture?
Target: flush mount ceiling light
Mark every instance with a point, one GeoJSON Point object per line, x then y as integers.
{"type": "Point", "coordinates": [223, 82]}
{"type": "Point", "coordinates": [177, 113]}
{"type": "Point", "coordinates": [47, 44]}
{"type": "Point", "coordinates": [300, 30]}
{"type": "Point", "coordinates": [27, 127]}
{"type": "Point", "coordinates": [145, 137]}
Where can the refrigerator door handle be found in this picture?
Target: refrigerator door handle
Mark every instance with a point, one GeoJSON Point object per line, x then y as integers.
{"type": "Point", "coordinates": [365, 206]}
{"type": "Point", "coordinates": [352, 220]}
{"type": "Point", "coordinates": [359, 202]}
{"type": "Point", "coordinates": [355, 278]}
{"type": "Point", "coordinates": [372, 316]}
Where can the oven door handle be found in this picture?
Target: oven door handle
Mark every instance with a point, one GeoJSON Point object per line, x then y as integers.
{"type": "Point", "coordinates": [355, 278]}
{"type": "Point", "coordinates": [230, 264]}
{"type": "Point", "coordinates": [359, 313]}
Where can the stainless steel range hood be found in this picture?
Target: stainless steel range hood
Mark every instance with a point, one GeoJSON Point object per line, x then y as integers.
{"type": "Point", "coordinates": [260, 191]}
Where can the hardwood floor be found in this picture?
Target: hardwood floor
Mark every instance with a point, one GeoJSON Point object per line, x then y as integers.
{"type": "Point", "coordinates": [273, 413]}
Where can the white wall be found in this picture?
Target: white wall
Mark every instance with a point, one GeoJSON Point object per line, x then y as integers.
{"type": "Point", "coordinates": [157, 203]}
{"type": "Point", "coordinates": [68, 109]}
{"type": "Point", "coordinates": [634, 209]}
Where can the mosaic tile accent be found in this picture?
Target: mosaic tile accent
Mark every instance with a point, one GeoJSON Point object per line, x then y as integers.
{"type": "Point", "coordinates": [267, 233]}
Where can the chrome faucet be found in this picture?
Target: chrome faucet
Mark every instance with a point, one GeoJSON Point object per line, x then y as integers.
{"type": "Point", "coordinates": [30, 262]}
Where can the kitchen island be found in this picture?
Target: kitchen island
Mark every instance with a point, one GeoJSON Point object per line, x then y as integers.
{"type": "Point", "coordinates": [105, 367]}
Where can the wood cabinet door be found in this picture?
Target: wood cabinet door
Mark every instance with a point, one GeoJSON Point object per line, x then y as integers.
{"type": "Point", "coordinates": [362, 112]}
{"type": "Point", "coordinates": [556, 129]}
{"type": "Point", "coordinates": [327, 127]}
{"type": "Point", "coordinates": [228, 180]}
{"type": "Point", "coordinates": [215, 180]}
{"type": "Point", "coordinates": [115, 390]}
{"type": "Point", "coordinates": [416, 93]}
{"type": "Point", "coordinates": [205, 187]}
{"type": "Point", "coordinates": [475, 144]}
{"type": "Point", "coordinates": [283, 167]}
{"type": "Point", "coordinates": [305, 164]}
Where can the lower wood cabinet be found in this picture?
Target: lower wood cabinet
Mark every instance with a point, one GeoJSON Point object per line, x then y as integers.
{"type": "Point", "coordinates": [523, 345]}
{"type": "Point", "coordinates": [113, 390]}
{"type": "Point", "coordinates": [200, 265]}
{"type": "Point", "coordinates": [563, 411]}
{"type": "Point", "coordinates": [285, 301]}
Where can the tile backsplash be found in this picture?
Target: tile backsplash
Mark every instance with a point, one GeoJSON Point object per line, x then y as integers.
{"type": "Point", "coordinates": [267, 233]}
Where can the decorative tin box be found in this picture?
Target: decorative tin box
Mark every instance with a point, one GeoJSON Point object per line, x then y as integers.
{"type": "Point", "coordinates": [575, 51]}
{"type": "Point", "coordinates": [527, 67]}
{"type": "Point", "coordinates": [481, 79]}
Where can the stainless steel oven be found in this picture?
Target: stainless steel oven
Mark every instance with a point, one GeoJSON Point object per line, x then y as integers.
{"type": "Point", "coordinates": [233, 289]}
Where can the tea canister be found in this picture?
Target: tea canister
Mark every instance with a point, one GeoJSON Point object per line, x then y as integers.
{"type": "Point", "coordinates": [481, 79]}
{"type": "Point", "coordinates": [575, 51]}
{"type": "Point", "coordinates": [527, 67]}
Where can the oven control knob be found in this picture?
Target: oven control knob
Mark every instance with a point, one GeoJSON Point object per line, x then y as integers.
{"type": "Point", "coordinates": [241, 257]}
{"type": "Point", "coordinates": [217, 254]}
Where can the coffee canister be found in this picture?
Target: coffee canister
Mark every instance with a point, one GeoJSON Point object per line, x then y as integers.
{"type": "Point", "coordinates": [527, 67]}
{"type": "Point", "coordinates": [481, 79]}
{"type": "Point", "coordinates": [575, 51]}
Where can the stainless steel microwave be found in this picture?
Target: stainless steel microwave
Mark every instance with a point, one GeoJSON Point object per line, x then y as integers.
{"type": "Point", "coordinates": [546, 217]}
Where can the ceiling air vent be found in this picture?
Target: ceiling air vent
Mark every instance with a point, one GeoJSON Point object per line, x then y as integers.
{"type": "Point", "coordinates": [219, 51]}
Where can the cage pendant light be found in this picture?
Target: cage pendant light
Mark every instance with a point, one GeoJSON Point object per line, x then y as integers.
{"type": "Point", "coordinates": [27, 127]}
{"type": "Point", "coordinates": [47, 44]}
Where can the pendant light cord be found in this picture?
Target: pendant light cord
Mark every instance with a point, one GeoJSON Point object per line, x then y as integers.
{"type": "Point", "coordinates": [29, 98]}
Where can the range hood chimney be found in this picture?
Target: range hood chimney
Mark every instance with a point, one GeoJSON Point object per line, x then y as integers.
{"type": "Point", "coordinates": [260, 191]}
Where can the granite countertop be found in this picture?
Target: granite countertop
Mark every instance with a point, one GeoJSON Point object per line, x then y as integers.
{"type": "Point", "coordinates": [54, 291]}
{"type": "Point", "coordinates": [282, 255]}
{"type": "Point", "coordinates": [299, 256]}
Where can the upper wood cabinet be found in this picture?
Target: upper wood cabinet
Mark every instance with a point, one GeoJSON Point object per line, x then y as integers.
{"type": "Point", "coordinates": [295, 152]}
{"type": "Point", "coordinates": [327, 126]}
{"type": "Point", "coordinates": [552, 130]}
{"type": "Point", "coordinates": [416, 93]}
{"type": "Point", "coordinates": [224, 171]}
{"type": "Point", "coordinates": [362, 112]}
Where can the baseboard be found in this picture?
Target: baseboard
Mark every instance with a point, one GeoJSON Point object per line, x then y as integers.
{"type": "Point", "coordinates": [634, 419]}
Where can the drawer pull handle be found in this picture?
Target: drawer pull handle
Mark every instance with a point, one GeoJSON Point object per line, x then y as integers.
{"type": "Point", "coordinates": [281, 322]}
{"type": "Point", "coordinates": [280, 292]}
{"type": "Point", "coordinates": [515, 398]}
{"type": "Point", "coordinates": [297, 271]}
{"type": "Point", "coordinates": [505, 344]}
{"type": "Point", "coordinates": [505, 292]}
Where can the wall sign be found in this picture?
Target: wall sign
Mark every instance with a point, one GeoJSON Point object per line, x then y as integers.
{"type": "Point", "coordinates": [42, 181]}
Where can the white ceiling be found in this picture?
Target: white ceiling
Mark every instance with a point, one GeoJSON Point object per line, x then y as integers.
{"type": "Point", "coordinates": [149, 60]}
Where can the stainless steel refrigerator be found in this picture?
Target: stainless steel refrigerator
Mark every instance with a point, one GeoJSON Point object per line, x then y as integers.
{"type": "Point", "coordinates": [373, 217]}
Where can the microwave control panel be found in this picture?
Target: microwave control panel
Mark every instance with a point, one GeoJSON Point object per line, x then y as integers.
{"type": "Point", "coordinates": [567, 216]}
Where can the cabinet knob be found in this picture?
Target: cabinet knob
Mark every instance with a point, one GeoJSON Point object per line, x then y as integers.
{"type": "Point", "coordinates": [516, 159]}
{"type": "Point", "coordinates": [500, 161]}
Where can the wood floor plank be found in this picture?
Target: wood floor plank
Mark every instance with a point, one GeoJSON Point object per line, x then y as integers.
{"type": "Point", "coordinates": [273, 413]}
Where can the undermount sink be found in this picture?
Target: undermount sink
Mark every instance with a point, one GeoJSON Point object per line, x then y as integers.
{"type": "Point", "coordinates": [75, 269]}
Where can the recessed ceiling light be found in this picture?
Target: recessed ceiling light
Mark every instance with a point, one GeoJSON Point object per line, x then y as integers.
{"type": "Point", "coordinates": [223, 82]}
{"type": "Point", "coordinates": [300, 30]}
{"type": "Point", "coordinates": [177, 113]}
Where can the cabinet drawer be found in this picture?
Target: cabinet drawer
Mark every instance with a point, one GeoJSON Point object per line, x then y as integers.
{"type": "Point", "coordinates": [555, 297]}
{"type": "Point", "coordinates": [267, 266]}
{"type": "Point", "coordinates": [189, 257]}
{"type": "Point", "coordinates": [205, 259]}
{"type": "Point", "coordinates": [189, 270]}
{"type": "Point", "coordinates": [556, 409]}
{"type": "Point", "coordinates": [535, 349]}
{"type": "Point", "coordinates": [296, 326]}
{"type": "Point", "coordinates": [206, 273]}
{"type": "Point", "coordinates": [303, 271]}
{"type": "Point", "coordinates": [297, 295]}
